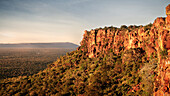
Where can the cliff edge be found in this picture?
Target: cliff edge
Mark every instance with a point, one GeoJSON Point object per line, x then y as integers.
{"type": "Point", "coordinates": [154, 39]}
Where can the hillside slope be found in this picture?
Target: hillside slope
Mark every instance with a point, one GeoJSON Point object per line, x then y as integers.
{"type": "Point", "coordinates": [131, 60]}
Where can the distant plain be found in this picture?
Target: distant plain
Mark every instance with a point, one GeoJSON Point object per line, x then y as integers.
{"type": "Point", "coordinates": [27, 61]}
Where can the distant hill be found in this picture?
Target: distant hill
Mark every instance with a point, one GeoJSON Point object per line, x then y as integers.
{"type": "Point", "coordinates": [40, 45]}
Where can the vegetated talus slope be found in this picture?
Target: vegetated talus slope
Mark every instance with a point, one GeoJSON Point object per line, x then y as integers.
{"type": "Point", "coordinates": [75, 74]}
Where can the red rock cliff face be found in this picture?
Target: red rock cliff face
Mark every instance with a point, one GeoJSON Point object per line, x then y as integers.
{"type": "Point", "coordinates": [162, 82]}
{"type": "Point", "coordinates": [152, 38]}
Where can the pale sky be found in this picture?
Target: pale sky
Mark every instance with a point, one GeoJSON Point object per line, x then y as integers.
{"type": "Point", "coordinates": [32, 21]}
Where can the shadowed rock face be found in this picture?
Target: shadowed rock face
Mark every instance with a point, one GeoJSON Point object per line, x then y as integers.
{"type": "Point", "coordinates": [152, 38]}
{"type": "Point", "coordinates": [168, 10]}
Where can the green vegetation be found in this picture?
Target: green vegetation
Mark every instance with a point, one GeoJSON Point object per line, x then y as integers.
{"type": "Point", "coordinates": [27, 61]}
{"type": "Point", "coordinates": [147, 27]}
{"type": "Point", "coordinates": [123, 27]}
{"type": "Point", "coordinates": [75, 73]}
{"type": "Point", "coordinates": [164, 53]}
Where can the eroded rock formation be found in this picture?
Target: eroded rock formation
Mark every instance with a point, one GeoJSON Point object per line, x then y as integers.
{"type": "Point", "coordinates": [162, 81]}
{"type": "Point", "coordinates": [153, 38]}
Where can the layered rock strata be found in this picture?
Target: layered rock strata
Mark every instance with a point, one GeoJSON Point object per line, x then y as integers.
{"type": "Point", "coordinates": [162, 81]}
{"type": "Point", "coordinates": [153, 38]}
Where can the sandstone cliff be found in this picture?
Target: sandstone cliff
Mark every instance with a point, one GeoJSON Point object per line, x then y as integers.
{"type": "Point", "coordinates": [153, 38]}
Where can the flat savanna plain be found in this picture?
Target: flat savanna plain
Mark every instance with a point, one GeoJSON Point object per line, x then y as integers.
{"type": "Point", "coordinates": [27, 61]}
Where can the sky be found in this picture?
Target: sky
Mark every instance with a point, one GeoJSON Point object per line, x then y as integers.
{"type": "Point", "coordinates": [36, 21]}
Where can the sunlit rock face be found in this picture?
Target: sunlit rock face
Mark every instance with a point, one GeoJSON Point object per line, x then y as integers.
{"type": "Point", "coordinates": [168, 12]}
{"type": "Point", "coordinates": [168, 16]}
{"type": "Point", "coordinates": [162, 81]}
{"type": "Point", "coordinates": [153, 39]}
{"type": "Point", "coordinates": [101, 40]}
